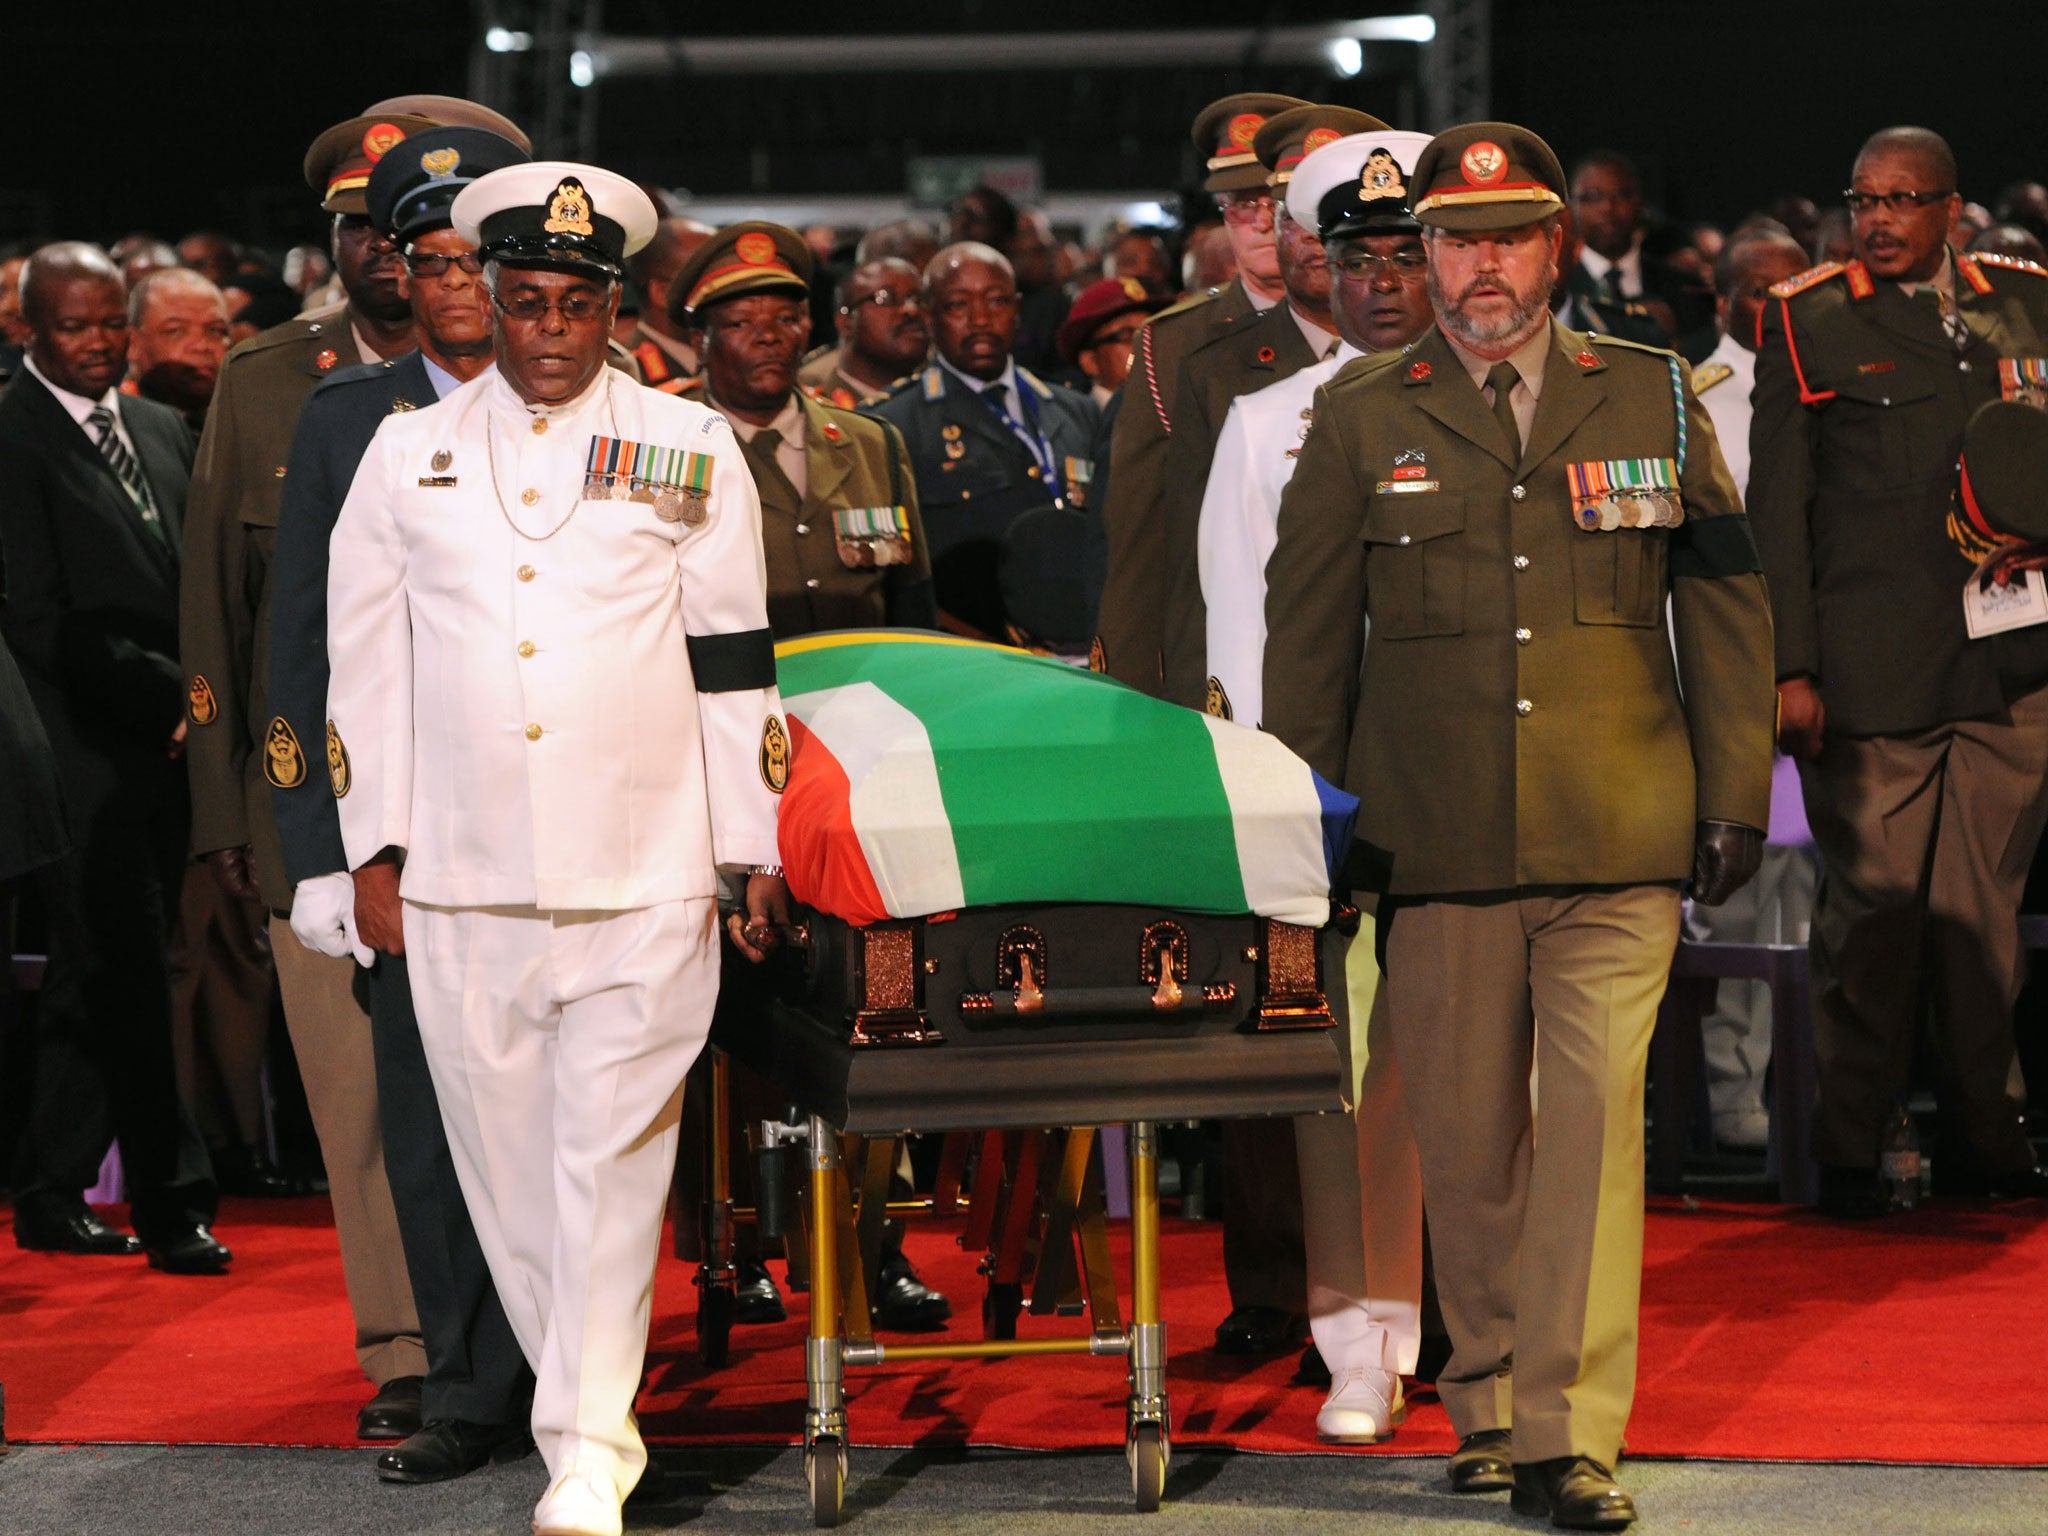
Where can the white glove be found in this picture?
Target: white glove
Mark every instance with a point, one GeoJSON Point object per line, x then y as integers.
{"type": "Point", "coordinates": [324, 916]}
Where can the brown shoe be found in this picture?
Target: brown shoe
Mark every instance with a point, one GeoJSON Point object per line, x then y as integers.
{"type": "Point", "coordinates": [1483, 1463]}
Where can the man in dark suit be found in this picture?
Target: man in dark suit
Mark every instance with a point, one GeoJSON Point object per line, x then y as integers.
{"type": "Point", "coordinates": [92, 496]}
{"type": "Point", "coordinates": [474, 1397]}
{"type": "Point", "coordinates": [1003, 463]}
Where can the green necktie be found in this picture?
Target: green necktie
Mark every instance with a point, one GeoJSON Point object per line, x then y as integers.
{"type": "Point", "coordinates": [777, 491]}
{"type": "Point", "coordinates": [1501, 378]}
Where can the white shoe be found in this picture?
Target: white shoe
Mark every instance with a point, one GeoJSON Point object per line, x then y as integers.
{"type": "Point", "coordinates": [1362, 1409]}
{"type": "Point", "coordinates": [578, 1504]}
{"type": "Point", "coordinates": [1742, 1130]}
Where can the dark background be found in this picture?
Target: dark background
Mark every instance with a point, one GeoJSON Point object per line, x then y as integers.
{"type": "Point", "coordinates": [172, 117]}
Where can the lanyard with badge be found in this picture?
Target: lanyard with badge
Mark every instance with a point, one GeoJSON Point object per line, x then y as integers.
{"type": "Point", "coordinates": [1031, 437]}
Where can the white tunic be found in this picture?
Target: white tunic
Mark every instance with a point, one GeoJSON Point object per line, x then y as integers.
{"type": "Point", "coordinates": [1240, 523]}
{"type": "Point", "coordinates": [518, 706]}
{"type": "Point", "coordinates": [1728, 406]}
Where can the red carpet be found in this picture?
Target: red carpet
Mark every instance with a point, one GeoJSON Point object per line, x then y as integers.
{"type": "Point", "coordinates": [1765, 1335]}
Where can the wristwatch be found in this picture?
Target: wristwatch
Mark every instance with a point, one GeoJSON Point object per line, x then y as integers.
{"type": "Point", "coordinates": [765, 869]}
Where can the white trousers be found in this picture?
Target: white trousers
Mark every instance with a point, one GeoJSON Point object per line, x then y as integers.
{"type": "Point", "coordinates": [557, 1042]}
{"type": "Point", "coordinates": [1361, 1199]}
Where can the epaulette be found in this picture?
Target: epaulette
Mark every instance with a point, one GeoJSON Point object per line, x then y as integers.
{"type": "Point", "coordinates": [1608, 339]}
{"type": "Point", "coordinates": [840, 398]}
{"type": "Point", "coordinates": [361, 373]}
{"type": "Point", "coordinates": [2004, 263]}
{"type": "Point", "coordinates": [1038, 386]}
{"type": "Point", "coordinates": [1807, 279]}
{"type": "Point", "coordinates": [1192, 301]}
{"type": "Point", "coordinates": [1706, 375]}
{"type": "Point", "coordinates": [934, 384]}
{"type": "Point", "coordinates": [816, 352]}
{"type": "Point", "coordinates": [299, 328]}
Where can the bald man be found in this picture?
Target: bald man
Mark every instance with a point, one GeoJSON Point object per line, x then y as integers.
{"type": "Point", "coordinates": [92, 498]}
{"type": "Point", "coordinates": [882, 336]}
{"type": "Point", "coordinates": [668, 362]}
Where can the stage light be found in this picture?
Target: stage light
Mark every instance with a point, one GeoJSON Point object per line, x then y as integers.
{"type": "Point", "coordinates": [1347, 57]}
{"type": "Point", "coordinates": [582, 68]}
{"type": "Point", "coordinates": [1394, 29]}
{"type": "Point", "coordinates": [502, 40]}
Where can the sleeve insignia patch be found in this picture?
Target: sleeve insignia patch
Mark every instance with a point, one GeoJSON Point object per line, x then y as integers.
{"type": "Point", "coordinates": [1217, 702]}
{"type": "Point", "coordinates": [200, 702]}
{"type": "Point", "coordinates": [337, 763]}
{"type": "Point", "coordinates": [774, 755]}
{"type": "Point", "coordinates": [283, 763]}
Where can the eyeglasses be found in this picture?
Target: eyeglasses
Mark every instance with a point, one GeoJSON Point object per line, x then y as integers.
{"type": "Point", "coordinates": [531, 309]}
{"type": "Point", "coordinates": [425, 264]}
{"type": "Point", "coordinates": [1124, 336]}
{"type": "Point", "coordinates": [956, 306]}
{"type": "Point", "coordinates": [1405, 265]}
{"type": "Point", "coordinates": [883, 298]}
{"type": "Point", "coordinates": [1898, 202]}
{"type": "Point", "coordinates": [1239, 209]}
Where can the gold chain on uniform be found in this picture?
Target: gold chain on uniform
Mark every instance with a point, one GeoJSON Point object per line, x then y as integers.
{"type": "Point", "coordinates": [491, 458]}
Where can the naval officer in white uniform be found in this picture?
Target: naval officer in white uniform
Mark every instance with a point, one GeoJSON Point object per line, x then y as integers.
{"type": "Point", "coordinates": [1364, 1252]}
{"type": "Point", "coordinates": [554, 724]}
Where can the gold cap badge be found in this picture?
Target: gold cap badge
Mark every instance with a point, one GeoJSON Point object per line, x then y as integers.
{"type": "Point", "coordinates": [440, 162]}
{"type": "Point", "coordinates": [283, 763]}
{"type": "Point", "coordinates": [569, 210]}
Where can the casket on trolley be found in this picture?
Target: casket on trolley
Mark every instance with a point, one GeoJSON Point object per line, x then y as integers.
{"type": "Point", "coordinates": [1032, 898]}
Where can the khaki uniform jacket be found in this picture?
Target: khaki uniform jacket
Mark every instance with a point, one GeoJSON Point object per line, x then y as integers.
{"type": "Point", "coordinates": [1129, 636]}
{"type": "Point", "coordinates": [224, 617]}
{"type": "Point", "coordinates": [850, 461]}
{"type": "Point", "coordinates": [1519, 719]}
{"type": "Point", "coordinates": [1245, 358]}
{"type": "Point", "coordinates": [1857, 420]}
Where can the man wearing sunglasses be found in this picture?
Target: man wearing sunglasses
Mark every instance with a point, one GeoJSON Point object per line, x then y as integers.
{"type": "Point", "coordinates": [474, 1397]}
{"type": "Point", "coordinates": [240, 749]}
{"type": "Point", "coordinates": [883, 336]}
{"type": "Point", "coordinates": [1923, 753]}
{"type": "Point", "coordinates": [1128, 637]}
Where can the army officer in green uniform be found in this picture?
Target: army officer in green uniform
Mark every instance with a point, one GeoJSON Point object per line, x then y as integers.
{"type": "Point", "coordinates": [1510, 505]}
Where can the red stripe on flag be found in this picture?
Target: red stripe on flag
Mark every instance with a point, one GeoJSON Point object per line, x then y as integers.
{"type": "Point", "coordinates": [821, 853]}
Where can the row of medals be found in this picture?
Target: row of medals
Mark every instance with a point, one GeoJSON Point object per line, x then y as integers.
{"type": "Point", "coordinates": [671, 504]}
{"type": "Point", "coordinates": [1630, 509]}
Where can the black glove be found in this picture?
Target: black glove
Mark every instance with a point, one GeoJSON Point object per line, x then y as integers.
{"type": "Point", "coordinates": [230, 869]}
{"type": "Point", "coordinates": [1724, 857]}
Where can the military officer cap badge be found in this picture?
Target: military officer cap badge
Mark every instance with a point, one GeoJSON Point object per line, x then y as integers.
{"type": "Point", "coordinates": [1487, 176]}
{"type": "Point", "coordinates": [555, 214]}
{"type": "Point", "coordinates": [1224, 132]}
{"type": "Point", "coordinates": [339, 163]}
{"type": "Point", "coordinates": [1290, 137]}
{"type": "Point", "coordinates": [1356, 185]}
{"type": "Point", "coordinates": [754, 256]}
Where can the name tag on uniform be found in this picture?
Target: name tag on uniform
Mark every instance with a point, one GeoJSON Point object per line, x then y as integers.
{"type": "Point", "coordinates": [436, 482]}
{"type": "Point", "coordinates": [2024, 379]}
{"type": "Point", "coordinates": [872, 536]}
{"type": "Point", "coordinates": [1625, 493]}
{"type": "Point", "coordinates": [1405, 487]}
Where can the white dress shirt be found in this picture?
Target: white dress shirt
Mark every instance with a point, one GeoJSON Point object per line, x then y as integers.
{"type": "Point", "coordinates": [511, 678]}
{"type": "Point", "coordinates": [81, 407]}
{"type": "Point", "coordinates": [1630, 266]}
{"type": "Point", "coordinates": [1728, 406]}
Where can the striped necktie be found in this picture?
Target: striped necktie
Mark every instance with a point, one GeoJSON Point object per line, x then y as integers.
{"type": "Point", "coordinates": [122, 462]}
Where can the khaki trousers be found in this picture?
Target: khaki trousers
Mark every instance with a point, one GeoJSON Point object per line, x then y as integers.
{"type": "Point", "coordinates": [1925, 841]}
{"type": "Point", "coordinates": [1361, 1198]}
{"type": "Point", "coordinates": [331, 1034]}
{"type": "Point", "coordinates": [1538, 1237]}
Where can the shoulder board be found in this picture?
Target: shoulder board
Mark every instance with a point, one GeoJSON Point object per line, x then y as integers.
{"type": "Point", "coordinates": [817, 352]}
{"type": "Point", "coordinates": [300, 328]}
{"type": "Point", "coordinates": [361, 373]}
{"type": "Point", "coordinates": [1192, 302]}
{"type": "Point", "coordinates": [1608, 339]}
{"type": "Point", "coordinates": [2006, 263]}
{"type": "Point", "coordinates": [654, 363]}
{"type": "Point", "coordinates": [1706, 375]}
{"type": "Point", "coordinates": [1811, 277]}
{"type": "Point", "coordinates": [833, 411]}
{"type": "Point", "coordinates": [934, 384]}
{"type": "Point", "coordinates": [1038, 386]}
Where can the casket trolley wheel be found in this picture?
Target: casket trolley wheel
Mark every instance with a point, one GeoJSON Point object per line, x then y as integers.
{"type": "Point", "coordinates": [1147, 1451]}
{"type": "Point", "coordinates": [825, 1463]}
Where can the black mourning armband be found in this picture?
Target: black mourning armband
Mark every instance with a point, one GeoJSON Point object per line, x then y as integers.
{"type": "Point", "coordinates": [1714, 546]}
{"type": "Point", "coordinates": [733, 663]}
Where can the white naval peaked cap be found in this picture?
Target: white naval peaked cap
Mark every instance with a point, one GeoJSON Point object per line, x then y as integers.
{"type": "Point", "coordinates": [1357, 183]}
{"type": "Point", "coordinates": [555, 213]}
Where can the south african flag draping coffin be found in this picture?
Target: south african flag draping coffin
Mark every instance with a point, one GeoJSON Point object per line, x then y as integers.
{"type": "Point", "coordinates": [932, 773]}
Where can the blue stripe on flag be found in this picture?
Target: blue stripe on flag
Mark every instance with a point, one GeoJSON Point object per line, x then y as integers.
{"type": "Point", "coordinates": [1340, 811]}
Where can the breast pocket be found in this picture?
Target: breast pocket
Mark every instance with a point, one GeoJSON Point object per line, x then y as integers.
{"type": "Point", "coordinates": [1880, 430]}
{"type": "Point", "coordinates": [1415, 566]}
{"type": "Point", "coordinates": [1619, 577]}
